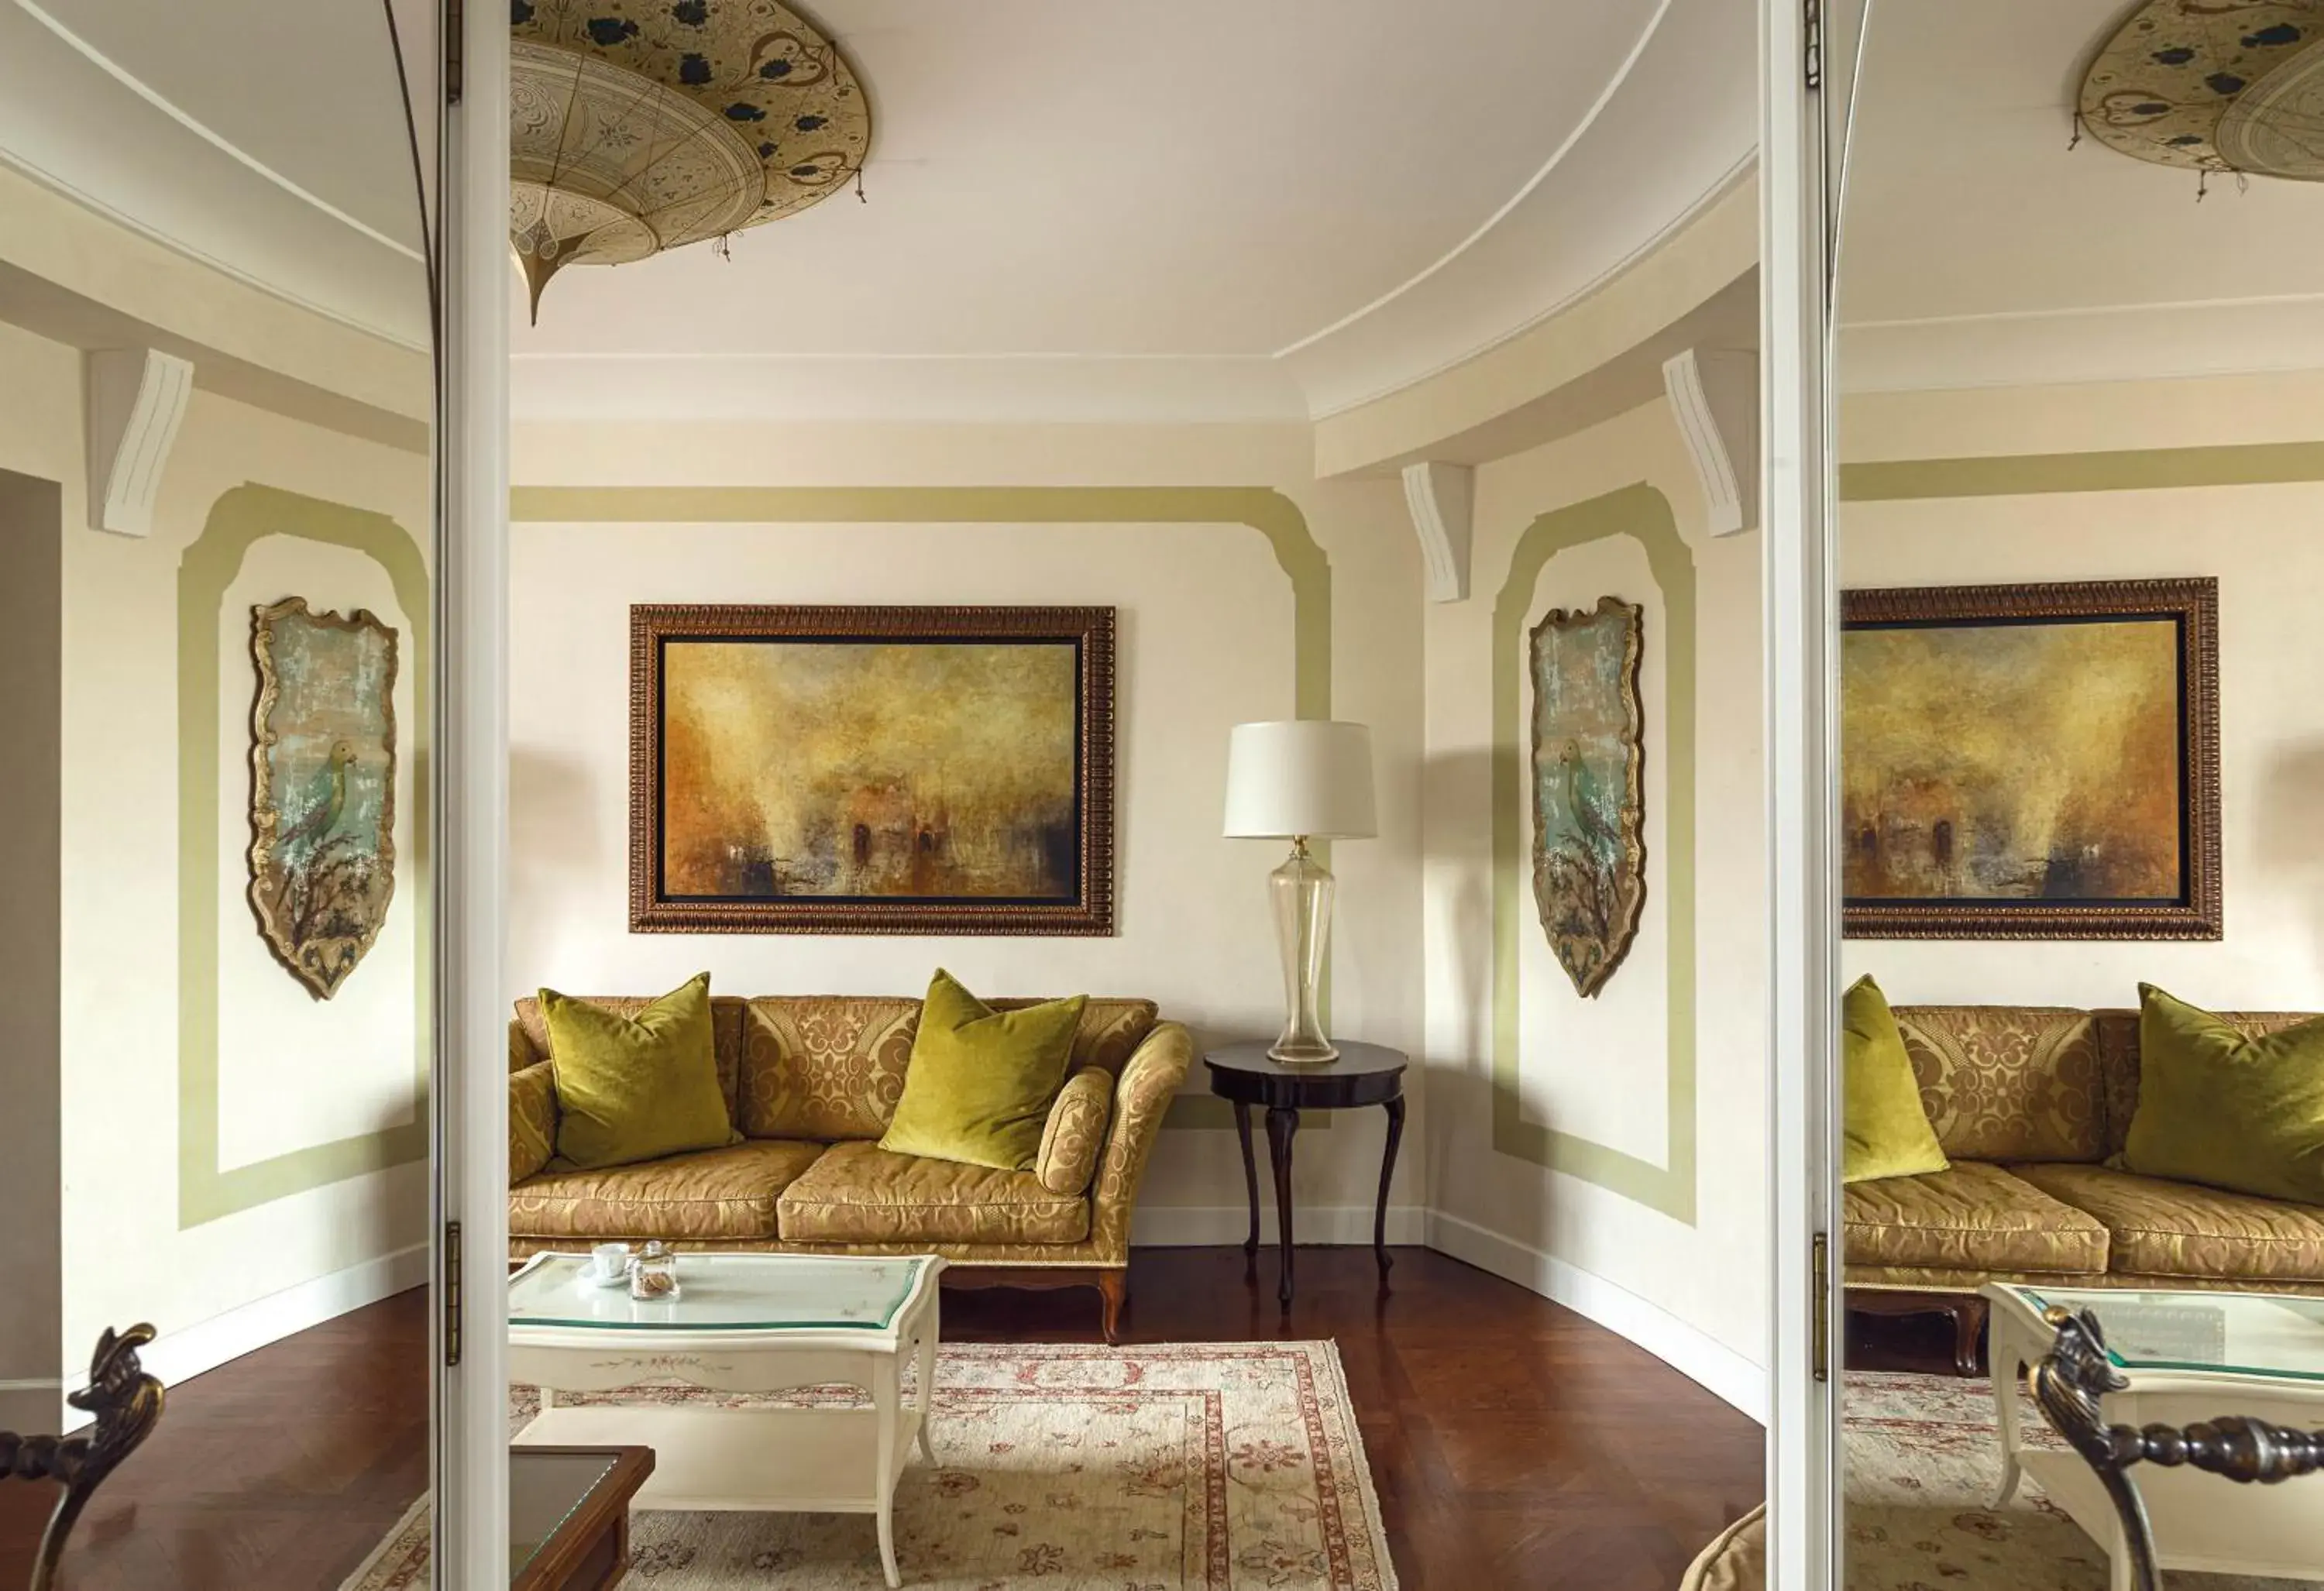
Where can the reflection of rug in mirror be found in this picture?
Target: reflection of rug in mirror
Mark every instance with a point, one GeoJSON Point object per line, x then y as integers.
{"type": "Point", "coordinates": [1923, 1458]}
{"type": "Point", "coordinates": [1171, 1468]}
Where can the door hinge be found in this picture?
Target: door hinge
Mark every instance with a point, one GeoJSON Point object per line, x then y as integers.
{"type": "Point", "coordinates": [1820, 1305]}
{"type": "Point", "coordinates": [1814, 52]}
{"type": "Point", "coordinates": [451, 1292]}
{"type": "Point", "coordinates": [455, 16]}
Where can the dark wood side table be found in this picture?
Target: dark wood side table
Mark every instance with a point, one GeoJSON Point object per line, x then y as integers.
{"type": "Point", "coordinates": [1364, 1074]}
{"type": "Point", "coordinates": [569, 1515]}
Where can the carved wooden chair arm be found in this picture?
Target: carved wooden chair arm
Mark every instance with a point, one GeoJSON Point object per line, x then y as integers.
{"type": "Point", "coordinates": [2069, 1384]}
{"type": "Point", "coordinates": [126, 1402]}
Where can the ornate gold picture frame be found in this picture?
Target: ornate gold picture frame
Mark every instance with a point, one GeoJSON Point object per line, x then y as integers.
{"type": "Point", "coordinates": [871, 770]}
{"type": "Point", "coordinates": [2030, 761]}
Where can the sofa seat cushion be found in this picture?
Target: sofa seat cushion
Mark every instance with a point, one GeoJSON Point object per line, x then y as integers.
{"type": "Point", "coordinates": [2162, 1228]}
{"type": "Point", "coordinates": [711, 1194]}
{"type": "Point", "coordinates": [858, 1193]}
{"type": "Point", "coordinates": [1975, 1216]}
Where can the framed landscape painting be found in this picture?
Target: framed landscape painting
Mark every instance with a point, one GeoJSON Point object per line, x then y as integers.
{"type": "Point", "coordinates": [2030, 761]}
{"type": "Point", "coordinates": [871, 770]}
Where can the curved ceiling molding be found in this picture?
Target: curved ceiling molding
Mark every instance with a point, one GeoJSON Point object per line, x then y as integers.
{"type": "Point", "coordinates": [1680, 132]}
{"type": "Point", "coordinates": [1589, 119]}
{"type": "Point", "coordinates": [130, 82]}
{"type": "Point", "coordinates": [84, 116]}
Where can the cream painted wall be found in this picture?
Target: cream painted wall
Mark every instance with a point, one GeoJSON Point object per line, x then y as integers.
{"type": "Point", "coordinates": [1205, 642]}
{"type": "Point", "coordinates": [126, 1258]}
{"type": "Point", "coordinates": [2262, 544]}
{"type": "Point", "coordinates": [1695, 1292]}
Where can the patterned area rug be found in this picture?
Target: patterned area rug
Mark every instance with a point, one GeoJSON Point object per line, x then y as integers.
{"type": "Point", "coordinates": [1923, 1458]}
{"type": "Point", "coordinates": [1217, 1467]}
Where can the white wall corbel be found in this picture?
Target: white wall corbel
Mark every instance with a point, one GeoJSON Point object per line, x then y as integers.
{"type": "Point", "coordinates": [1715, 395]}
{"type": "Point", "coordinates": [136, 399]}
{"type": "Point", "coordinates": [1442, 500]}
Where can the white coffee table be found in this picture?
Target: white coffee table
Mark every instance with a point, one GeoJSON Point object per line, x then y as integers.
{"type": "Point", "coordinates": [2188, 1357]}
{"type": "Point", "coordinates": [743, 1323]}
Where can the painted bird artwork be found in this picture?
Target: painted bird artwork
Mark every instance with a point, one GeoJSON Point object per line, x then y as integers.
{"type": "Point", "coordinates": [1589, 860]}
{"type": "Point", "coordinates": [322, 816]}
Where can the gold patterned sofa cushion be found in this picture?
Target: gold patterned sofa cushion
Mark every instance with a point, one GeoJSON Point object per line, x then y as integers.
{"type": "Point", "coordinates": [825, 1066]}
{"type": "Point", "coordinates": [1974, 1216]}
{"type": "Point", "coordinates": [528, 1037]}
{"type": "Point", "coordinates": [1076, 1132]}
{"type": "Point", "coordinates": [2164, 1229]}
{"type": "Point", "coordinates": [532, 1120]}
{"type": "Point", "coordinates": [2009, 1082]}
{"type": "Point", "coordinates": [860, 1192]}
{"type": "Point", "coordinates": [832, 1066]}
{"type": "Point", "coordinates": [712, 1194]}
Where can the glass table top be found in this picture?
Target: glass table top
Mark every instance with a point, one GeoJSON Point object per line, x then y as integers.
{"type": "Point", "coordinates": [722, 1292]}
{"type": "Point", "coordinates": [2225, 1333]}
{"type": "Point", "coordinates": [545, 1488]}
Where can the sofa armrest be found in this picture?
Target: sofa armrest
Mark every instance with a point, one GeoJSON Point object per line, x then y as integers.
{"type": "Point", "coordinates": [1150, 1081]}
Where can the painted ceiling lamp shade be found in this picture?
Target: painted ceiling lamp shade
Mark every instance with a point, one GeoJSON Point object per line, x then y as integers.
{"type": "Point", "coordinates": [2213, 85]}
{"type": "Point", "coordinates": [640, 126]}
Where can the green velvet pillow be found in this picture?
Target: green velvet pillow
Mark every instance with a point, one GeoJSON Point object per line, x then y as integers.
{"type": "Point", "coordinates": [2228, 1111]}
{"type": "Point", "coordinates": [635, 1088]}
{"type": "Point", "coordinates": [1886, 1127]}
{"type": "Point", "coordinates": [980, 1083]}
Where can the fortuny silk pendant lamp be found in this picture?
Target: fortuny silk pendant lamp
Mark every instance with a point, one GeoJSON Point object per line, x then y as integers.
{"type": "Point", "coordinates": [1300, 780]}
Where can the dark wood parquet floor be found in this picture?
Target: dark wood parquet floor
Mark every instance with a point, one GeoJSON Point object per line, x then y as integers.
{"type": "Point", "coordinates": [1513, 1444]}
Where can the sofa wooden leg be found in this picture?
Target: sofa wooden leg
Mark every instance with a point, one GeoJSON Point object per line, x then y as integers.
{"type": "Point", "coordinates": [1968, 1325]}
{"type": "Point", "coordinates": [1113, 1289]}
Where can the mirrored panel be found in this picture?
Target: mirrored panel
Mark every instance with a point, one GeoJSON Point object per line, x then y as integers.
{"type": "Point", "coordinates": [217, 630]}
{"type": "Point", "coordinates": [2080, 379]}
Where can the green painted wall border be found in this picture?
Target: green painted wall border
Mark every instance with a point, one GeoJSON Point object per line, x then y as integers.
{"type": "Point", "coordinates": [1643, 514]}
{"type": "Point", "coordinates": [2251, 464]}
{"type": "Point", "coordinates": [1261, 508]}
{"type": "Point", "coordinates": [236, 520]}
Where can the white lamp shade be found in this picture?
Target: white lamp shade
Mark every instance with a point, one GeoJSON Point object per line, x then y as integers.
{"type": "Point", "coordinates": [1309, 776]}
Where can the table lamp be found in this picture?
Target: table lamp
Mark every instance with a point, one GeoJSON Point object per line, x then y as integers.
{"type": "Point", "coordinates": [1300, 780]}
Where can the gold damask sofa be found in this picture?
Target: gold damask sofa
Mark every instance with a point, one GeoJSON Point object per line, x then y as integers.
{"type": "Point", "coordinates": [810, 1083]}
{"type": "Point", "coordinates": [2031, 1103]}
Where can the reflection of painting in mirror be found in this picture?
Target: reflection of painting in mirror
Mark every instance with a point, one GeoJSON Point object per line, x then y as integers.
{"type": "Point", "coordinates": [844, 770]}
{"type": "Point", "coordinates": [322, 813]}
{"type": "Point", "coordinates": [1589, 861]}
{"type": "Point", "coordinates": [2029, 751]}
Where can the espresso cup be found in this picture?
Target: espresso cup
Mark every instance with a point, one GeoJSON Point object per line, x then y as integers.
{"type": "Point", "coordinates": [610, 1260]}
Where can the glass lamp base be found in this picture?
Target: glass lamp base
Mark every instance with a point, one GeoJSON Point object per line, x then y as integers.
{"type": "Point", "coordinates": [1302, 890]}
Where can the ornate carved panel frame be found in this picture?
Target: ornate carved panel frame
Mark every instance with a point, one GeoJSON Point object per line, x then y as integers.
{"type": "Point", "coordinates": [2191, 606]}
{"type": "Point", "coordinates": [1086, 909]}
{"type": "Point", "coordinates": [1590, 880]}
{"type": "Point", "coordinates": [321, 880]}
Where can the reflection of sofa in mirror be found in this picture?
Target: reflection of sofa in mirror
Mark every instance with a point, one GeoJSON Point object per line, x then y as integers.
{"type": "Point", "coordinates": [2031, 1104]}
{"type": "Point", "coordinates": [811, 1083]}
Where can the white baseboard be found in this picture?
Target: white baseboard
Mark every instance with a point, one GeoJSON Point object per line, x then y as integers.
{"type": "Point", "coordinates": [30, 1405]}
{"type": "Point", "coordinates": [178, 1356]}
{"type": "Point", "coordinates": [1683, 1348]}
{"type": "Point", "coordinates": [1185, 1226]}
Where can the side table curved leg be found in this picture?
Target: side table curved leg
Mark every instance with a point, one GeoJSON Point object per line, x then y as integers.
{"type": "Point", "coordinates": [1388, 1169]}
{"type": "Point", "coordinates": [1281, 1124]}
{"type": "Point", "coordinates": [1249, 1173]}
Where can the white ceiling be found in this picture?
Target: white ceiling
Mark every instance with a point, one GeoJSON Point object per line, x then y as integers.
{"type": "Point", "coordinates": [266, 137]}
{"type": "Point", "coordinates": [1977, 249]}
{"type": "Point", "coordinates": [1119, 209]}
{"type": "Point", "coordinates": [1076, 208]}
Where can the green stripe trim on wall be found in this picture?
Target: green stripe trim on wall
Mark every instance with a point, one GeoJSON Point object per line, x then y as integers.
{"type": "Point", "coordinates": [1261, 508]}
{"type": "Point", "coordinates": [236, 520]}
{"type": "Point", "coordinates": [1643, 514]}
{"type": "Point", "coordinates": [2253, 463]}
